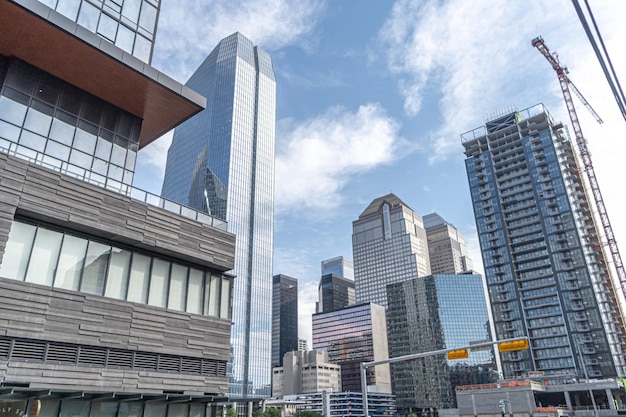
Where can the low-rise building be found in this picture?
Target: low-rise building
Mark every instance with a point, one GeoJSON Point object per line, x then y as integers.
{"type": "Point", "coordinates": [304, 372]}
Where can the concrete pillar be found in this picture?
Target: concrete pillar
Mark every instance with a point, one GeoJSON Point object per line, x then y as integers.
{"type": "Point", "coordinates": [568, 401]}
{"type": "Point", "coordinates": [250, 405]}
{"type": "Point", "coordinates": [609, 396]}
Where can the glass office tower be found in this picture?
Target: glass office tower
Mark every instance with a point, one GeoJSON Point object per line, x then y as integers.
{"type": "Point", "coordinates": [446, 246]}
{"type": "Point", "coordinates": [547, 276]}
{"type": "Point", "coordinates": [433, 313]}
{"type": "Point", "coordinates": [221, 161]}
{"type": "Point", "coordinates": [284, 317]}
{"type": "Point", "coordinates": [389, 245]}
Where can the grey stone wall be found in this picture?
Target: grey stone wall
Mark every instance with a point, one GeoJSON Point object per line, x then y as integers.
{"type": "Point", "coordinates": [39, 193]}
{"type": "Point", "coordinates": [35, 312]}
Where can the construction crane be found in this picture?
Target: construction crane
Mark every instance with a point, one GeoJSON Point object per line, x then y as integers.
{"type": "Point", "coordinates": [566, 87]}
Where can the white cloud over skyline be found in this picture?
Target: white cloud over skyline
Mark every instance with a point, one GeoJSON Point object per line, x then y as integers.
{"type": "Point", "coordinates": [316, 158]}
{"type": "Point", "coordinates": [188, 32]}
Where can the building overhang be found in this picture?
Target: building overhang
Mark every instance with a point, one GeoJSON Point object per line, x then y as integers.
{"type": "Point", "coordinates": [47, 40]}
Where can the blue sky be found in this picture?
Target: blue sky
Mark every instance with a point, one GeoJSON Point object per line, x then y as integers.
{"type": "Point", "coordinates": [372, 97]}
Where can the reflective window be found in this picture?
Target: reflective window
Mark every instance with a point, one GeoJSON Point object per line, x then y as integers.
{"type": "Point", "coordinates": [88, 16]}
{"type": "Point", "coordinates": [44, 256]}
{"type": "Point", "coordinates": [80, 121]}
{"type": "Point", "coordinates": [194, 293]}
{"type": "Point", "coordinates": [95, 268]}
{"type": "Point", "coordinates": [117, 278]}
{"type": "Point", "coordinates": [71, 262]}
{"type": "Point", "coordinates": [139, 275]}
{"type": "Point", "coordinates": [68, 8]}
{"type": "Point", "coordinates": [49, 257]}
{"type": "Point", "coordinates": [17, 251]}
{"type": "Point", "coordinates": [178, 287]}
{"type": "Point", "coordinates": [158, 283]}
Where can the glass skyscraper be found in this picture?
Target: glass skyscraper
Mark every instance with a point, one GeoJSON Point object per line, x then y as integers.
{"type": "Point", "coordinates": [546, 272]}
{"type": "Point", "coordinates": [433, 313]}
{"type": "Point", "coordinates": [353, 335]}
{"type": "Point", "coordinates": [446, 246]}
{"type": "Point", "coordinates": [221, 161]}
{"type": "Point", "coordinates": [389, 245]}
{"type": "Point", "coordinates": [284, 317]}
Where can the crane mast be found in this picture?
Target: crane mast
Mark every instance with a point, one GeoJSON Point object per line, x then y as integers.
{"type": "Point", "coordinates": [566, 87]}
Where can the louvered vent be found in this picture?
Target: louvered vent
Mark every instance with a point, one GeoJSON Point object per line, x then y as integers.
{"type": "Point", "coordinates": [29, 350]}
{"type": "Point", "coordinates": [146, 361]}
{"type": "Point", "coordinates": [54, 352]}
{"type": "Point", "coordinates": [92, 356]}
{"type": "Point", "coordinates": [169, 363]}
{"type": "Point", "coordinates": [5, 347]}
{"type": "Point", "coordinates": [209, 368]}
{"type": "Point", "coordinates": [122, 359]}
{"type": "Point", "coordinates": [62, 353]}
{"type": "Point", "coordinates": [191, 366]}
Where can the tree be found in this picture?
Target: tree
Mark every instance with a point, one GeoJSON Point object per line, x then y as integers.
{"type": "Point", "coordinates": [231, 412]}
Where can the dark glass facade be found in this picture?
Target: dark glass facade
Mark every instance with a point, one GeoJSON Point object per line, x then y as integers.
{"type": "Point", "coordinates": [284, 317]}
{"type": "Point", "coordinates": [433, 313]}
{"type": "Point", "coordinates": [47, 120]}
{"type": "Point", "coordinates": [353, 335]}
{"type": "Point", "coordinates": [545, 268]}
{"type": "Point", "coordinates": [221, 161]}
{"type": "Point", "coordinates": [335, 293]}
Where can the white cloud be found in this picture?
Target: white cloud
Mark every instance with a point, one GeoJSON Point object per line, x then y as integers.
{"type": "Point", "coordinates": [189, 30]}
{"type": "Point", "coordinates": [316, 158]}
{"type": "Point", "coordinates": [478, 56]}
{"type": "Point", "coordinates": [307, 296]}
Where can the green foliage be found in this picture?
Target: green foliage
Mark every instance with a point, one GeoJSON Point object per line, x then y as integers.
{"type": "Point", "coordinates": [269, 412]}
{"type": "Point", "coordinates": [411, 415]}
{"type": "Point", "coordinates": [231, 412]}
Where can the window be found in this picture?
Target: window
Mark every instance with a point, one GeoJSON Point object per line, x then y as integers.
{"type": "Point", "coordinates": [58, 259]}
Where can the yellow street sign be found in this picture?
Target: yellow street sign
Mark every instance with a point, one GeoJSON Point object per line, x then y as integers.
{"type": "Point", "coordinates": [521, 344]}
{"type": "Point", "coordinates": [458, 354]}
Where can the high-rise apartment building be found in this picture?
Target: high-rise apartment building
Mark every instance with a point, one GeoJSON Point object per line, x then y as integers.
{"type": "Point", "coordinates": [433, 313]}
{"type": "Point", "coordinates": [389, 245]}
{"type": "Point", "coordinates": [304, 372]}
{"type": "Point", "coordinates": [353, 335]}
{"type": "Point", "coordinates": [339, 266]}
{"type": "Point", "coordinates": [114, 301]}
{"type": "Point", "coordinates": [221, 162]}
{"type": "Point", "coordinates": [284, 317]}
{"type": "Point", "coordinates": [446, 246]}
{"type": "Point", "coordinates": [546, 272]}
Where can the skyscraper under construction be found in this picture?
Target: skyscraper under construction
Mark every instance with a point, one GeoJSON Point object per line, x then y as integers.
{"type": "Point", "coordinates": [546, 272]}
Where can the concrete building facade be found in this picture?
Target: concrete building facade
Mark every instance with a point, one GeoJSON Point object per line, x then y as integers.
{"type": "Point", "coordinates": [305, 372]}
{"type": "Point", "coordinates": [114, 301]}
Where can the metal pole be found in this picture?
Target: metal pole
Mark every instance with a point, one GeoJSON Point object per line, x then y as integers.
{"type": "Point", "coordinates": [364, 389]}
{"type": "Point", "coordinates": [365, 365]}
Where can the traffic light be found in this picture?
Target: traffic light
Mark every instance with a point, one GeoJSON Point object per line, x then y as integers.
{"type": "Point", "coordinates": [521, 344]}
{"type": "Point", "coordinates": [458, 354]}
